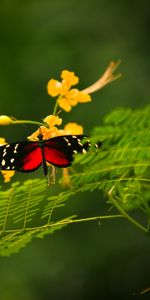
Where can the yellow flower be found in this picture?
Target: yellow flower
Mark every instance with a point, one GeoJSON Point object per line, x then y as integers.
{"type": "Point", "coordinates": [5, 120]}
{"type": "Point", "coordinates": [67, 97]}
{"type": "Point", "coordinates": [50, 132]}
{"type": "Point", "coordinates": [72, 98]}
{"type": "Point", "coordinates": [47, 133]}
{"type": "Point", "coordinates": [6, 174]}
{"type": "Point", "coordinates": [52, 120]}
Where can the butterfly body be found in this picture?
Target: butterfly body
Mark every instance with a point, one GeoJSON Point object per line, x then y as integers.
{"type": "Point", "coordinates": [28, 156]}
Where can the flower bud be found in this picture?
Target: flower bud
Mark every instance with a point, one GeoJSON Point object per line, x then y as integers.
{"type": "Point", "coordinates": [5, 120]}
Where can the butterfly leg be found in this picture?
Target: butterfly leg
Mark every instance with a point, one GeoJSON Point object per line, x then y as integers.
{"type": "Point", "coordinates": [52, 176]}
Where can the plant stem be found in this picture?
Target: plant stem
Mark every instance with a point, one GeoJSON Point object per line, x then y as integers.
{"type": "Point", "coordinates": [29, 122]}
{"type": "Point", "coordinates": [64, 222]}
{"type": "Point", "coordinates": [89, 219]}
{"type": "Point", "coordinates": [55, 108]}
{"type": "Point", "coordinates": [125, 214]}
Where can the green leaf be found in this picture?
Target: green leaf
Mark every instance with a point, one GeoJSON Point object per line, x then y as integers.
{"type": "Point", "coordinates": [120, 168]}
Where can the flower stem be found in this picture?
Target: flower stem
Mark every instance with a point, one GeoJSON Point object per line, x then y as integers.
{"type": "Point", "coordinates": [55, 108]}
{"type": "Point", "coordinates": [29, 122]}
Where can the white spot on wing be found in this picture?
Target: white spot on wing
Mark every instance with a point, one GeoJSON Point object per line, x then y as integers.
{"type": "Point", "coordinates": [75, 151]}
{"type": "Point", "coordinates": [68, 143]}
{"type": "Point", "coordinates": [96, 146]}
{"type": "Point", "coordinates": [4, 153]}
{"type": "Point", "coordinates": [66, 139]}
{"type": "Point", "coordinates": [3, 162]}
{"type": "Point", "coordinates": [12, 160]}
{"type": "Point", "coordinates": [15, 149]}
{"type": "Point", "coordinates": [84, 151]}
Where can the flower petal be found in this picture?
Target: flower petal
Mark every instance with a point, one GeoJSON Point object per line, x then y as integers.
{"type": "Point", "coordinates": [72, 97]}
{"type": "Point", "coordinates": [82, 97]}
{"type": "Point", "coordinates": [47, 133]}
{"type": "Point", "coordinates": [2, 141]}
{"type": "Point", "coordinates": [64, 104]}
{"type": "Point", "coordinates": [69, 78]}
{"type": "Point", "coordinates": [54, 87]}
{"type": "Point", "coordinates": [7, 175]}
{"type": "Point", "coordinates": [52, 120]}
{"type": "Point", "coordinates": [73, 128]}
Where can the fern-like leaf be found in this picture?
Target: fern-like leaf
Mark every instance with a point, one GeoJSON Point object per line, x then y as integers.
{"type": "Point", "coordinates": [121, 168]}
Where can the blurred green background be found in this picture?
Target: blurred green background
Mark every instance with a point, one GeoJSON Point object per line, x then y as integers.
{"type": "Point", "coordinates": [39, 38]}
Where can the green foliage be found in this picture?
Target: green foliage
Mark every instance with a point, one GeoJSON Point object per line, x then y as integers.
{"type": "Point", "coordinates": [121, 168]}
{"type": "Point", "coordinates": [22, 209]}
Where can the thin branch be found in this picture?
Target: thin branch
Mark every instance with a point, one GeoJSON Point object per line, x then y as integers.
{"type": "Point", "coordinates": [124, 213]}
{"type": "Point", "coordinates": [65, 222]}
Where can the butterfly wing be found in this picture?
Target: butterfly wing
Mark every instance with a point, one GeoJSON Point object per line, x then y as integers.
{"type": "Point", "coordinates": [28, 156]}
{"type": "Point", "coordinates": [59, 151]}
{"type": "Point", "coordinates": [21, 156]}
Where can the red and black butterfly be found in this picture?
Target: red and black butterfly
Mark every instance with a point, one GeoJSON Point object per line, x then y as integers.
{"type": "Point", "coordinates": [28, 156]}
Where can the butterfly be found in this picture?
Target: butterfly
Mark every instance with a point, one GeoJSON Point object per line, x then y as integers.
{"type": "Point", "coordinates": [28, 156]}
